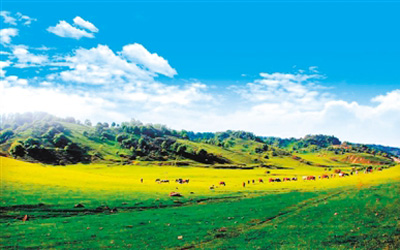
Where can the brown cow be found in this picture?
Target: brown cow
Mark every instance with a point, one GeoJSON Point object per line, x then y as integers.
{"type": "Point", "coordinates": [175, 194]}
{"type": "Point", "coordinates": [222, 183]}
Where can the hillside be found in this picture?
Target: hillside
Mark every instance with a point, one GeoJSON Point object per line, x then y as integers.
{"type": "Point", "coordinates": [40, 137]}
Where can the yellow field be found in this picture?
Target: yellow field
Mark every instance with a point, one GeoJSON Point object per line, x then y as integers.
{"type": "Point", "coordinates": [111, 178]}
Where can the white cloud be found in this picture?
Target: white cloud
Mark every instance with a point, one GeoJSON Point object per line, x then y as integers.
{"type": "Point", "coordinates": [118, 105]}
{"type": "Point", "coordinates": [3, 64]}
{"type": "Point", "coordinates": [26, 20]}
{"type": "Point", "coordinates": [64, 29]}
{"type": "Point", "coordinates": [7, 34]}
{"type": "Point", "coordinates": [155, 63]}
{"type": "Point", "coordinates": [101, 66]}
{"type": "Point", "coordinates": [85, 24]}
{"type": "Point", "coordinates": [313, 69]}
{"type": "Point", "coordinates": [55, 101]}
{"type": "Point", "coordinates": [17, 18]}
{"type": "Point", "coordinates": [8, 18]}
{"type": "Point", "coordinates": [27, 59]}
{"type": "Point", "coordinates": [12, 81]}
{"type": "Point", "coordinates": [300, 90]}
{"type": "Point", "coordinates": [104, 85]}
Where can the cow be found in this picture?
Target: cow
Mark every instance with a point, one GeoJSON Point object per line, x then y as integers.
{"type": "Point", "coordinates": [163, 181]}
{"type": "Point", "coordinates": [175, 194]}
{"type": "Point", "coordinates": [271, 180]}
{"type": "Point", "coordinates": [325, 176]}
{"type": "Point", "coordinates": [244, 184]}
{"type": "Point", "coordinates": [311, 178]}
{"type": "Point", "coordinates": [278, 180]}
{"type": "Point", "coordinates": [305, 178]}
{"type": "Point", "coordinates": [294, 179]}
{"type": "Point", "coordinates": [222, 183]}
{"type": "Point", "coordinates": [181, 181]}
{"type": "Point", "coordinates": [260, 180]}
{"type": "Point", "coordinates": [337, 171]}
{"type": "Point", "coordinates": [286, 179]}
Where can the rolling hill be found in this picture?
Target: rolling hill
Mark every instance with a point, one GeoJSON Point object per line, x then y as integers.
{"type": "Point", "coordinates": [40, 137]}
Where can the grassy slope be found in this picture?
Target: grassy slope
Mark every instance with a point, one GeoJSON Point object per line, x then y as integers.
{"type": "Point", "coordinates": [235, 156]}
{"type": "Point", "coordinates": [352, 218]}
{"type": "Point", "coordinates": [290, 219]}
{"type": "Point", "coordinates": [108, 149]}
{"type": "Point", "coordinates": [139, 223]}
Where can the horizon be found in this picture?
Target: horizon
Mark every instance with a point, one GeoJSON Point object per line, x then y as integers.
{"type": "Point", "coordinates": [274, 69]}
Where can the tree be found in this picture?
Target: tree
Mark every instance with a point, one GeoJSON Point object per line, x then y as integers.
{"type": "Point", "coordinates": [181, 149]}
{"type": "Point", "coordinates": [50, 132]}
{"type": "Point", "coordinates": [113, 124]}
{"type": "Point", "coordinates": [60, 140]}
{"type": "Point", "coordinates": [17, 149]}
{"type": "Point", "coordinates": [142, 142]}
{"type": "Point", "coordinates": [5, 135]}
{"type": "Point", "coordinates": [70, 120]}
{"type": "Point", "coordinates": [107, 136]}
{"type": "Point", "coordinates": [88, 123]}
{"type": "Point", "coordinates": [29, 142]}
{"type": "Point", "coordinates": [121, 137]}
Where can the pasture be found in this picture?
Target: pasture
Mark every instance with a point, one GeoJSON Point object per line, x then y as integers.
{"type": "Point", "coordinates": [117, 209]}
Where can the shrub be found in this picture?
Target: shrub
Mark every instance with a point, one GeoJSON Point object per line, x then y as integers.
{"type": "Point", "coordinates": [60, 140]}
{"type": "Point", "coordinates": [17, 150]}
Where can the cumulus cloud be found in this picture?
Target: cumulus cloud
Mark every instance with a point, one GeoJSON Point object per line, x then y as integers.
{"type": "Point", "coordinates": [300, 90]}
{"type": "Point", "coordinates": [3, 64]}
{"type": "Point", "coordinates": [79, 21]}
{"type": "Point", "coordinates": [100, 104]}
{"type": "Point", "coordinates": [27, 59]}
{"type": "Point", "coordinates": [7, 34]}
{"type": "Point", "coordinates": [153, 62]}
{"type": "Point", "coordinates": [8, 18]}
{"type": "Point", "coordinates": [12, 81]}
{"type": "Point", "coordinates": [101, 66]}
{"type": "Point", "coordinates": [17, 18]}
{"type": "Point", "coordinates": [55, 101]}
{"type": "Point", "coordinates": [105, 85]}
{"type": "Point", "coordinates": [26, 20]}
{"type": "Point", "coordinates": [64, 29]}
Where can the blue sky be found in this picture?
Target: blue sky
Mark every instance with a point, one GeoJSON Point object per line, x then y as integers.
{"type": "Point", "coordinates": [330, 67]}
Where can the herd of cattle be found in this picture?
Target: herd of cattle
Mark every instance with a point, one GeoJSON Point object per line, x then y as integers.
{"type": "Point", "coordinates": [336, 173]}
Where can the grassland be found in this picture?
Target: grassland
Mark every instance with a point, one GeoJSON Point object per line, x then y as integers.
{"type": "Point", "coordinates": [261, 215]}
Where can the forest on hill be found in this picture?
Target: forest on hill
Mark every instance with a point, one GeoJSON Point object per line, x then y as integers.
{"type": "Point", "coordinates": [41, 137]}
